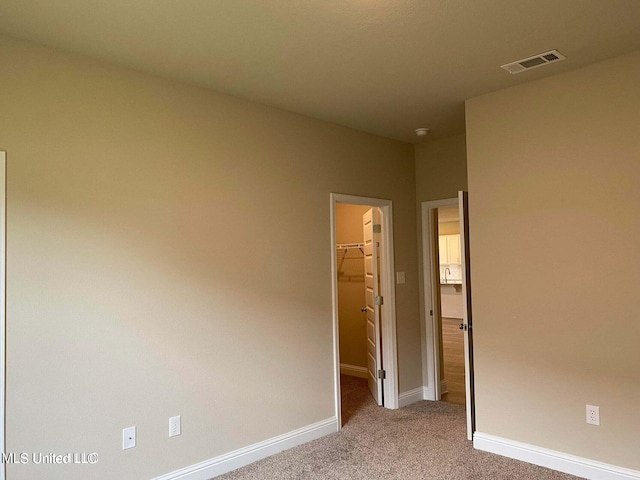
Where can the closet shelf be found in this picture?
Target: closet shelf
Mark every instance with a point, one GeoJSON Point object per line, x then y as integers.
{"type": "Point", "coordinates": [349, 246]}
{"type": "Point", "coordinates": [344, 249]}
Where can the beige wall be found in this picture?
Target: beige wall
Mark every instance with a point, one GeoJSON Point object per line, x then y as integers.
{"type": "Point", "coordinates": [441, 168]}
{"type": "Point", "coordinates": [156, 267]}
{"type": "Point", "coordinates": [556, 163]}
{"type": "Point", "coordinates": [353, 323]}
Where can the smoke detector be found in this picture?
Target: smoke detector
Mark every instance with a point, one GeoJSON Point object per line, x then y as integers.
{"type": "Point", "coordinates": [539, 60]}
{"type": "Point", "coordinates": [422, 132]}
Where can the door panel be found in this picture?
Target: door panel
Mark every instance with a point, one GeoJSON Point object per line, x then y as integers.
{"type": "Point", "coordinates": [368, 267]}
{"type": "Point", "coordinates": [372, 290]}
{"type": "Point", "coordinates": [369, 297]}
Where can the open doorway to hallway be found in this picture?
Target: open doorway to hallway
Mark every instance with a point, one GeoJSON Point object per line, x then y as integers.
{"type": "Point", "coordinates": [447, 304]}
{"type": "Point", "coordinates": [451, 338]}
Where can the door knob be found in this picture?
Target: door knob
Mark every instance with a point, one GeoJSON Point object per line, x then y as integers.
{"type": "Point", "coordinates": [363, 309]}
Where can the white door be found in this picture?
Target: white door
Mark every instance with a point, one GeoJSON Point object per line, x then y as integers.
{"type": "Point", "coordinates": [467, 321]}
{"type": "Point", "coordinates": [371, 230]}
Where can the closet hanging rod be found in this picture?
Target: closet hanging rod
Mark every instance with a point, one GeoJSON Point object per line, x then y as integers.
{"type": "Point", "coordinates": [347, 246]}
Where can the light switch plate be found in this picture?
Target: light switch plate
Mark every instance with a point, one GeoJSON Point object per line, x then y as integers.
{"type": "Point", "coordinates": [400, 278]}
{"type": "Point", "coordinates": [175, 426]}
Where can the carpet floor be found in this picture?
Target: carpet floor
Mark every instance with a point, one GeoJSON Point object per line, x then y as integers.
{"type": "Point", "coordinates": [425, 440]}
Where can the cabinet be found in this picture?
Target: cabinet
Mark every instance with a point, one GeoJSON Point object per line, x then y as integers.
{"type": "Point", "coordinates": [449, 247]}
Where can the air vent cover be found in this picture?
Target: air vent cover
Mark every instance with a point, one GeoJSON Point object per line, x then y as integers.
{"type": "Point", "coordinates": [520, 66]}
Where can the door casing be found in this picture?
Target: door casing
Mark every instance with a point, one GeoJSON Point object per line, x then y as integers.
{"type": "Point", "coordinates": [387, 290]}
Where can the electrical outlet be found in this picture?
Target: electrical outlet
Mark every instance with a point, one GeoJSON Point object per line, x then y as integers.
{"type": "Point", "coordinates": [174, 426]}
{"type": "Point", "coordinates": [593, 414]}
{"type": "Point", "coordinates": [128, 437]}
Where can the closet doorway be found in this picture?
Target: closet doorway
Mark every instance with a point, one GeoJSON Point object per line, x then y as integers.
{"type": "Point", "coordinates": [364, 296]}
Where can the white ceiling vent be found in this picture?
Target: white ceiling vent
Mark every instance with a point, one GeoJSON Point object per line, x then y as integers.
{"type": "Point", "coordinates": [533, 62]}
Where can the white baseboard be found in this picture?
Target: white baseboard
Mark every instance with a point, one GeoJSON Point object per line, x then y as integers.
{"type": "Point", "coordinates": [354, 370]}
{"type": "Point", "coordinates": [563, 462]}
{"type": "Point", "coordinates": [410, 396]}
{"type": "Point", "coordinates": [244, 456]}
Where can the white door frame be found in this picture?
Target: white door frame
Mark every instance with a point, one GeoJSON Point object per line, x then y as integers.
{"type": "Point", "coordinates": [387, 290]}
{"type": "Point", "coordinates": [3, 291]}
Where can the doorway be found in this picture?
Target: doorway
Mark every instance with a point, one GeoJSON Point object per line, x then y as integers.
{"type": "Point", "coordinates": [364, 296]}
{"type": "Point", "coordinates": [447, 304]}
{"type": "Point", "coordinates": [449, 286]}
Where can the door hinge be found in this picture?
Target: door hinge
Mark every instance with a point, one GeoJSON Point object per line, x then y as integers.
{"type": "Point", "coordinates": [382, 374]}
{"type": "Point", "coordinates": [377, 228]}
{"type": "Point", "coordinates": [379, 300]}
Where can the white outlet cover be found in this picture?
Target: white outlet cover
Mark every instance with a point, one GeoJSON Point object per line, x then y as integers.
{"type": "Point", "coordinates": [128, 437]}
{"type": "Point", "coordinates": [593, 415]}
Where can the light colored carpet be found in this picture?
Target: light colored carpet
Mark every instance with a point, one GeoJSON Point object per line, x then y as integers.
{"type": "Point", "coordinates": [426, 440]}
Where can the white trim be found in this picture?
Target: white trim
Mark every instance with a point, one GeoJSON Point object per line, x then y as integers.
{"type": "Point", "coordinates": [244, 456]}
{"type": "Point", "coordinates": [410, 396]}
{"type": "Point", "coordinates": [3, 299]}
{"type": "Point", "coordinates": [388, 292]}
{"type": "Point", "coordinates": [354, 370]}
{"type": "Point", "coordinates": [336, 327]}
{"type": "Point", "coordinates": [562, 462]}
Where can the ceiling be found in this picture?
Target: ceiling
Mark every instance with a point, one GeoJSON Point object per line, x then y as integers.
{"type": "Point", "coordinates": [385, 67]}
